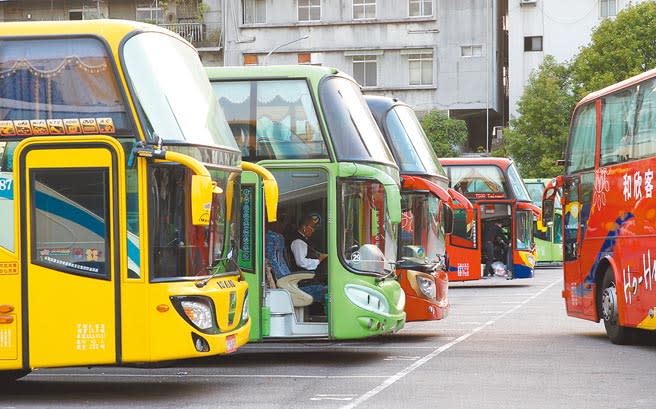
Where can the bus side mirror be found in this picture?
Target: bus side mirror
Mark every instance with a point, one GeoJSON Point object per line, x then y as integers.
{"type": "Point", "coordinates": [547, 211]}
{"type": "Point", "coordinates": [202, 189]}
{"type": "Point", "coordinates": [447, 220]}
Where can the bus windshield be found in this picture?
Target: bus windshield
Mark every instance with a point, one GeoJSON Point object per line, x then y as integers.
{"type": "Point", "coordinates": [59, 87]}
{"type": "Point", "coordinates": [535, 190]}
{"type": "Point", "coordinates": [180, 249]}
{"type": "Point", "coordinates": [355, 134]}
{"type": "Point", "coordinates": [519, 190]}
{"type": "Point", "coordinates": [368, 239]}
{"type": "Point", "coordinates": [272, 119]}
{"type": "Point", "coordinates": [420, 245]}
{"type": "Point", "coordinates": [407, 137]}
{"type": "Point", "coordinates": [479, 182]}
{"type": "Point", "coordinates": [177, 108]}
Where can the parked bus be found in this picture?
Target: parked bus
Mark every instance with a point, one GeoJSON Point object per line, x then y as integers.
{"type": "Point", "coordinates": [608, 212]}
{"type": "Point", "coordinates": [548, 243]}
{"type": "Point", "coordinates": [427, 205]}
{"type": "Point", "coordinates": [499, 196]}
{"type": "Point", "coordinates": [114, 249]}
{"type": "Point", "coordinates": [311, 128]}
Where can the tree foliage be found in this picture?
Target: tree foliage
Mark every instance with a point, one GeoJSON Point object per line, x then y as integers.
{"type": "Point", "coordinates": [538, 137]}
{"type": "Point", "coordinates": [446, 135]}
{"type": "Point", "coordinates": [620, 48]}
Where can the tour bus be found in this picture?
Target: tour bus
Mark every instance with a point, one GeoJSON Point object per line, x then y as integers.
{"type": "Point", "coordinates": [427, 205]}
{"type": "Point", "coordinates": [499, 196]}
{"type": "Point", "coordinates": [548, 243]}
{"type": "Point", "coordinates": [608, 208]}
{"type": "Point", "coordinates": [114, 248]}
{"type": "Point", "coordinates": [311, 128]}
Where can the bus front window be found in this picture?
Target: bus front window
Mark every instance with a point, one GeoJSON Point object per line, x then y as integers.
{"type": "Point", "coordinates": [368, 239]}
{"type": "Point", "coordinates": [173, 93]}
{"type": "Point", "coordinates": [422, 238]}
{"type": "Point", "coordinates": [179, 248]}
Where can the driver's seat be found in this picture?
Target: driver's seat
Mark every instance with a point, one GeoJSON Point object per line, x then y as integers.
{"type": "Point", "coordinates": [286, 279]}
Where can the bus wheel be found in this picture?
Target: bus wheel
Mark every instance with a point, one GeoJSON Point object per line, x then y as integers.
{"type": "Point", "coordinates": [610, 311]}
{"type": "Point", "coordinates": [10, 376]}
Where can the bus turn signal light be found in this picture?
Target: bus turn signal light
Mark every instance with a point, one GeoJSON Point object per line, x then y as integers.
{"type": "Point", "coordinates": [6, 308]}
{"type": "Point", "coordinates": [6, 319]}
{"type": "Point", "coordinates": [162, 308]}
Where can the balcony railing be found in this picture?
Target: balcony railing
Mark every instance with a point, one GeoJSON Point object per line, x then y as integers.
{"type": "Point", "coordinates": [192, 32]}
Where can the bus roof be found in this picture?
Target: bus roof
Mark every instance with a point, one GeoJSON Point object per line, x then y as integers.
{"type": "Point", "coordinates": [503, 163]}
{"type": "Point", "coordinates": [108, 28]}
{"type": "Point", "coordinates": [271, 71]}
{"type": "Point", "coordinates": [618, 86]}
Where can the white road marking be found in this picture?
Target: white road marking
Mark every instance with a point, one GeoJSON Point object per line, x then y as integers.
{"type": "Point", "coordinates": [401, 374]}
{"type": "Point", "coordinates": [346, 397]}
{"type": "Point", "coordinates": [401, 358]}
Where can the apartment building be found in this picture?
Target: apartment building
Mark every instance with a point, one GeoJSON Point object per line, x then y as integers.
{"type": "Point", "coordinates": [537, 28]}
{"type": "Point", "coordinates": [432, 54]}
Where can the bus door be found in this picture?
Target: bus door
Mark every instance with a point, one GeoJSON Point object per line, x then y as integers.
{"type": "Point", "coordinates": [464, 252]}
{"type": "Point", "coordinates": [69, 223]}
{"type": "Point", "coordinates": [571, 244]}
{"type": "Point", "coordinates": [251, 249]}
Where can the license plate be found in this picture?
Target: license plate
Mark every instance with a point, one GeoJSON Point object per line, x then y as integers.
{"type": "Point", "coordinates": [231, 343]}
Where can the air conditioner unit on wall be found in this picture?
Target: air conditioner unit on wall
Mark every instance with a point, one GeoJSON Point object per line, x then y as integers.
{"type": "Point", "coordinates": [526, 2]}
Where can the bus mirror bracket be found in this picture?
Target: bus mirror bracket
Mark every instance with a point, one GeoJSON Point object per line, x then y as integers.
{"type": "Point", "coordinates": [392, 190]}
{"type": "Point", "coordinates": [270, 188]}
{"type": "Point", "coordinates": [202, 185]}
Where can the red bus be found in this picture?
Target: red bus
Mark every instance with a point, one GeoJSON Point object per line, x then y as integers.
{"type": "Point", "coordinates": [500, 198]}
{"type": "Point", "coordinates": [425, 203]}
{"type": "Point", "coordinates": [609, 219]}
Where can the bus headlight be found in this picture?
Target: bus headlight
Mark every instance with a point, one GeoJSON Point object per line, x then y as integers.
{"type": "Point", "coordinates": [427, 286]}
{"type": "Point", "coordinates": [244, 309]}
{"type": "Point", "coordinates": [367, 298]}
{"type": "Point", "coordinates": [198, 311]}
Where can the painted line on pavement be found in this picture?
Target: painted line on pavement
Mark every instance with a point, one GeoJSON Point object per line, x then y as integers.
{"type": "Point", "coordinates": [106, 375]}
{"type": "Point", "coordinates": [401, 374]}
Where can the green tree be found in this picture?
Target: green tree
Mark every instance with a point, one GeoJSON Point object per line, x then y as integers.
{"type": "Point", "coordinates": [538, 137]}
{"type": "Point", "coordinates": [619, 48]}
{"type": "Point", "coordinates": [446, 135]}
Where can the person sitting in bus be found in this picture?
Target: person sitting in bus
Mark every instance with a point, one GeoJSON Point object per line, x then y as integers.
{"type": "Point", "coordinates": [275, 250]}
{"type": "Point", "coordinates": [494, 239]}
{"type": "Point", "coordinates": [305, 257]}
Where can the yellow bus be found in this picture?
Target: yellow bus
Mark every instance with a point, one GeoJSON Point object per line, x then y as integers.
{"type": "Point", "coordinates": [118, 221]}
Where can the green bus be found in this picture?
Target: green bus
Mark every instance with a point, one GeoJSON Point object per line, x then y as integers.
{"type": "Point", "coordinates": [549, 242]}
{"type": "Point", "coordinates": [311, 128]}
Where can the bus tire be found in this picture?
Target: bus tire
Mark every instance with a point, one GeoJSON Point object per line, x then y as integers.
{"type": "Point", "coordinates": [11, 376]}
{"type": "Point", "coordinates": [609, 311]}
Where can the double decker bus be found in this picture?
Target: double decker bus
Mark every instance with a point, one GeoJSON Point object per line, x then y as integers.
{"type": "Point", "coordinates": [608, 212]}
{"type": "Point", "coordinates": [113, 248]}
{"type": "Point", "coordinates": [311, 128]}
{"type": "Point", "coordinates": [427, 205]}
{"type": "Point", "coordinates": [548, 241]}
{"type": "Point", "coordinates": [499, 196]}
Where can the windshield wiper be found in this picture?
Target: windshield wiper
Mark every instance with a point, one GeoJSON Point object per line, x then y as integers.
{"type": "Point", "coordinates": [215, 270]}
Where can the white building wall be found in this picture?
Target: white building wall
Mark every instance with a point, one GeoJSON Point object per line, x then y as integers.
{"type": "Point", "coordinates": [566, 26]}
{"type": "Point", "coordinates": [458, 83]}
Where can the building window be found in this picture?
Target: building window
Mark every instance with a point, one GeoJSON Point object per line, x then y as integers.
{"type": "Point", "coordinates": [533, 43]}
{"type": "Point", "coordinates": [309, 10]}
{"type": "Point", "coordinates": [304, 58]}
{"type": "Point", "coordinates": [254, 11]}
{"type": "Point", "coordinates": [149, 13]}
{"type": "Point", "coordinates": [364, 9]}
{"type": "Point", "coordinates": [607, 8]}
{"type": "Point", "coordinates": [421, 68]}
{"type": "Point", "coordinates": [420, 8]}
{"type": "Point", "coordinates": [471, 51]}
{"type": "Point", "coordinates": [365, 70]}
{"type": "Point", "coordinates": [250, 59]}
